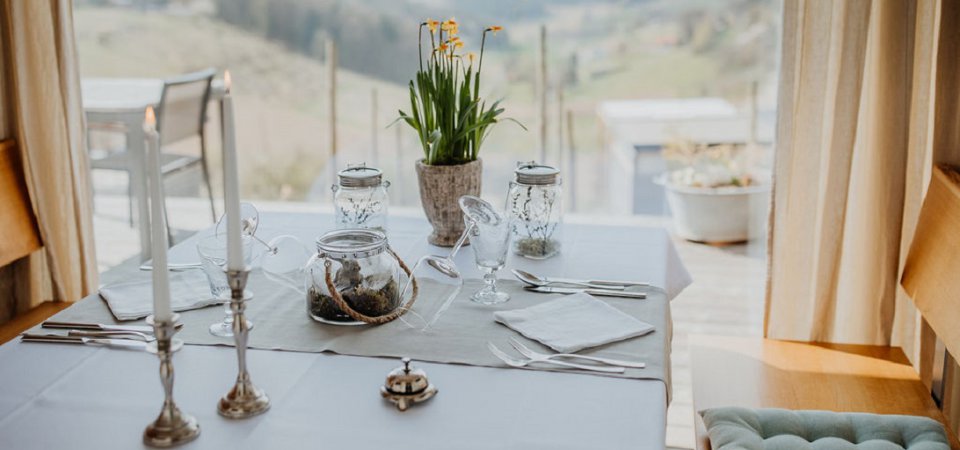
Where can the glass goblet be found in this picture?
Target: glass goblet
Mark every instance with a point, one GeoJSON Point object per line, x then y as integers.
{"type": "Point", "coordinates": [284, 261]}
{"type": "Point", "coordinates": [442, 271]}
{"type": "Point", "coordinates": [490, 240]}
{"type": "Point", "coordinates": [213, 261]}
{"type": "Point", "coordinates": [249, 221]}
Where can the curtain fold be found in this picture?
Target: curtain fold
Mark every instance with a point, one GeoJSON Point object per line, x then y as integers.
{"type": "Point", "coordinates": [861, 83]}
{"type": "Point", "coordinates": [824, 48]}
{"type": "Point", "coordinates": [45, 116]}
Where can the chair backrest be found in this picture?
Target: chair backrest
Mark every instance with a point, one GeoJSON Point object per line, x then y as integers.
{"type": "Point", "coordinates": [930, 280]}
{"type": "Point", "coordinates": [183, 105]}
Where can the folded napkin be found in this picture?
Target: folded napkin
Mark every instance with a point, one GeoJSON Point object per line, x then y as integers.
{"type": "Point", "coordinates": [573, 322]}
{"type": "Point", "coordinates": [134, 300]}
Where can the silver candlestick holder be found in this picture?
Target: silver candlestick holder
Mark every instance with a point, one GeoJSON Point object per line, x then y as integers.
{"type": "Point", "coordinates": [244, 399]}
{"type": "Point", "coordinates": [172, 427]}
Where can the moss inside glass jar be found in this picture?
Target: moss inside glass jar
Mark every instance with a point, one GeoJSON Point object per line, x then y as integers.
{"type": "Point", "coordinates": [371, 295]}
{"type": "Point", "coordinates": [537, 247]}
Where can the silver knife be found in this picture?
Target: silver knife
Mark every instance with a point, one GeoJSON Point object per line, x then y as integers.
{"type": "Point", "coordinates": [173, 267]}
{"type": "Point", "coordinates": [597, 282]}
{"type": "Point", "coordinates": [104, 342]}
{"type": "Point", "coordinates": [99, 326]}
{"type": "Point", "coordinates": [599, 292]}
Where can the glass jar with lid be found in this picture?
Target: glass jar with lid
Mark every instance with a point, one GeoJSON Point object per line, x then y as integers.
{"type": "Point", "coordinates": [535, 203]}
{"type": "Point", "coordinates": [360, 198]}
{"type": "Point", "coordinates": [355, 278]}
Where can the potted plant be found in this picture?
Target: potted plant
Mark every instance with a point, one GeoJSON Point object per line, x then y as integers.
{"type": "Point", "coordinates": [713, 194]}
{"type": "Point", "coordinates": [451, 121]}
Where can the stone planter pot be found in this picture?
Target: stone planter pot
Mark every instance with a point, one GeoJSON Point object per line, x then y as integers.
{"type": "Point", "coordinates": [440, 189]}
{"type": "Point", "coordinates": [723, 215]}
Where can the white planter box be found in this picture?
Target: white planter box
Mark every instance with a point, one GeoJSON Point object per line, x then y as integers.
{"type": "Point", "coordinates": [718, 215]}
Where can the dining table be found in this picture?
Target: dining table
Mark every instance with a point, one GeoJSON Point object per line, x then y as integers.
{"type": "Point", "coordinates": [122, 103]}
{"type": "Point", "coordinates": [81, 397]}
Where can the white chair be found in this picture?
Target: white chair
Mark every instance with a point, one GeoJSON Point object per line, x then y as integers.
{"type": "Point", "coordinates": [181, 115]}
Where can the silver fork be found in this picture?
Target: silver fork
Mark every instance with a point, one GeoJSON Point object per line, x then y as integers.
{"type": "Point", "coordinates": [537, 356]}
{"type": "Point", "coordinates": [516, 362]}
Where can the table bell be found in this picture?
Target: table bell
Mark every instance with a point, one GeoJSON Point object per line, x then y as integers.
{"type": "Point", "coordinates": [406, 385]}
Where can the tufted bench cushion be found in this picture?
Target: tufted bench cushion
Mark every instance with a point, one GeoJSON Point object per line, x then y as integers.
{"type": "Point", "coordinates": [735, 428]}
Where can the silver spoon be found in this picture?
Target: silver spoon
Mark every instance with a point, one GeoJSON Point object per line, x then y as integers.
{"type": "Point", "coordinates": [534, 280]}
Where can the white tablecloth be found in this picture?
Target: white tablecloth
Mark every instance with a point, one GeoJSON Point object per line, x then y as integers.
{"type": "Point", "coordinates": [59, 396]}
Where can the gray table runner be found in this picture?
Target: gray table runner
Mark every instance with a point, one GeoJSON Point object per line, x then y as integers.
{"type": "Point", "coordinates": [459, 337]}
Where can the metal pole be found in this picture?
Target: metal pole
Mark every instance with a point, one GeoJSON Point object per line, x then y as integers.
{"type": "Point", "coordinates": [375, 154]}
{"type": "Point", "coordinates": [543, 94]}
{"type": "Point", "coordinates": [754, 111]}
{"type": "Point", "coordinates": [560, 126]}
{"type": "Point", "coordinates": [572, 171]}
{"type": "Point", "coordinates": [331, 54]}
{"type": "Point", "coordinates": [397, 183]}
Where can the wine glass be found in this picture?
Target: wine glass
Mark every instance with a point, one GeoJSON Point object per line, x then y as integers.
{"type": "Point", "coordinates": [249, 221]}
{"type": "Point", "coordinates": [284, 261]}
{"type": "Point", "coordinates": [489, 232]}
{"type": "Point", "coordinates": [444, 272]}
{"type": "Point", "coordinates": [213, 261]}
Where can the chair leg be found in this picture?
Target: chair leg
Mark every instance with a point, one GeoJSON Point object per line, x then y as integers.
{"type": "Point", "coordinates": [130, 182]}
{"type": "Point", "coordinates": [166, 214]}
{"type": "Point", "coordinates": [166, 221]}
{"type": "Point", "coordinates": [206, 173]}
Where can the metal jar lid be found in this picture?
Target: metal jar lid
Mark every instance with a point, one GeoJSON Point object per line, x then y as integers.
{"type": "Point", "coordinates": [352, 244]}
{"type": "Point", "coordinates": [359, 176]}
{"type": "Point", "coordinates": [535, 174]}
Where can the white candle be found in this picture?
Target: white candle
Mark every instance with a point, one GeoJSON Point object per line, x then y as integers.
{"type": "Point", "coordinates": [231, 188]}
{"type": "Point", "coordinates": [158, 231]}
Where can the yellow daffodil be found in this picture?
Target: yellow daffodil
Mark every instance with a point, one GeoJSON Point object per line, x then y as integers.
{"type": "Point", "coordinates": [450, 26]}
{"type": "Point", "coordinates": [471, 56]}
{"type": "Point", "coordinates": [458, 44]}
{"type": "Point", "coordinates": [442, 48]}
{"type": "Point", "coordinates": [432, 25]}
{"type": "Point", "coordinates": [495, 29]}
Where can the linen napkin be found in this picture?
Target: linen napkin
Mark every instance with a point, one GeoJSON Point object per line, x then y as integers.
{"type": "Point", "coordinates": [134, 300]}
{"type": "Point", "coordinates": [573, 322]}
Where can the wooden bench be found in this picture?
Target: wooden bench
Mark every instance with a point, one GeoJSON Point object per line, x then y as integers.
{"type": "Point", "coordinates": [764, 373]}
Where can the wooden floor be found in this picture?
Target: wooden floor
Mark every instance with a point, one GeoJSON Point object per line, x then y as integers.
{"type": "Point", "coordinates": [726, 297]}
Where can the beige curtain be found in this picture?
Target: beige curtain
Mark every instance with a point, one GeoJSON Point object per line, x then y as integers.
{"type": "Point", "coordinates": [44, 114]}
{"type": "Point", "coordinates": [868, 101]}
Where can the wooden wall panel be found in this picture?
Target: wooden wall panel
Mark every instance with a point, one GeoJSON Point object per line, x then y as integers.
{"type": "Point", "coordinates": [17, 222]}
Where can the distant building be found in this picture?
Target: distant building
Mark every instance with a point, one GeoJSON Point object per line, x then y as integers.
{"type": "Point", "coordinates": [636, 130]}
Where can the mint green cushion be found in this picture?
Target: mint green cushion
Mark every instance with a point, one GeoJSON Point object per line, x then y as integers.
{"type": "Point", "coordinates": [779, 429]}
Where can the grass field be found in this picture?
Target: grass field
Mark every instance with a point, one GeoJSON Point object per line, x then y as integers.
{"type": "Point", "coordinates": [640, 52]}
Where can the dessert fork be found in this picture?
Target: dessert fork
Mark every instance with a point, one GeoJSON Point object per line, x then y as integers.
{"type": "Point", "coordinates": [537, 356]}
{"type": "Point", "coordinates": [517, 362]}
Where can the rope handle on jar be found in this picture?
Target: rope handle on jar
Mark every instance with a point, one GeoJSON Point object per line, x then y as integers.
{"type": "Point", "coordinates": [374, 320]}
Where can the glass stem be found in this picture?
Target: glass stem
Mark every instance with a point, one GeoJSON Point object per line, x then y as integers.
{"type": "Point", "coordinates": [228, 319]}
{"type": "Point", "coordinates": [462, 240]}
{"type": "Point", "coordinates": [490, 278]}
